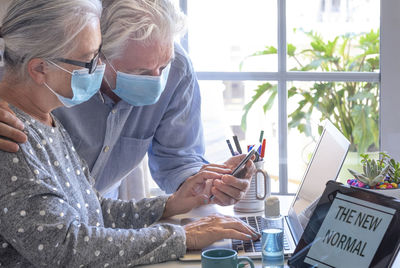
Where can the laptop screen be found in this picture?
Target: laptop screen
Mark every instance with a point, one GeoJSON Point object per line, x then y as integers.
{"type": "Point", "coordinates": [325, 165]}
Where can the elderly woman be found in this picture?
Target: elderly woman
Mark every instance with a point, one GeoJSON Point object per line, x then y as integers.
{"type": "Point", "coordinates": [49, 213]}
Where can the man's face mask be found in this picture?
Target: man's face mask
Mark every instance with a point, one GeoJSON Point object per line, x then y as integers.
{"type": "Point", "coordinates": [83, 84]}
{"type": "Point", "coordinates": [140, 90]}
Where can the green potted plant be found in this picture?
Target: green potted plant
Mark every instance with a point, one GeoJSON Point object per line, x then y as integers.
{"type": "Point", "coordinates": [378, 174]}
{"type": "Point", "coordinates": [352, 107]}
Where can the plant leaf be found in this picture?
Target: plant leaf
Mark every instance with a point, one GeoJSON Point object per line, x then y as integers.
{"type": "Point", "coordinates": [258, 93]}
{"type": "Point", "coordinates": [291, 50]}
{"type": "Point", "coordinates": [268, 50]}
{"type": "Point", "coordinates": [363, 124]}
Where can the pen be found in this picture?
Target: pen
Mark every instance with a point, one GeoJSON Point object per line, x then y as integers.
{"type": "Point", "coordinates": [263, 148]}
{"type": "Point", "coordinates": [261, 136]}
{"type": "Point", "coordinates": [230, 147]}
{"type": "Point", "coordinates": [258, 154]}
{"type": "Point", "coordinates": [237, 144]}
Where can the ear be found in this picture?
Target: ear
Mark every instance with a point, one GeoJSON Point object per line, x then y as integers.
{"type": "Point", "coordinates": [37, 69]}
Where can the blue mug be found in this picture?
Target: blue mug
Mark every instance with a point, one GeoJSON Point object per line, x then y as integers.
{"type": "Point", "coordinates": [222, 258]}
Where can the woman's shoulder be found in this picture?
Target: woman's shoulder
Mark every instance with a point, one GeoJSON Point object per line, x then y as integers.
{"type": "Point", "coordinates": [34, 130]}
{"type": "Point", "coordinates": [43, 140]}
{"type": "Point", "coordinates": [44, 149]}
{"type": "Point", "coordinates": [25, 161]}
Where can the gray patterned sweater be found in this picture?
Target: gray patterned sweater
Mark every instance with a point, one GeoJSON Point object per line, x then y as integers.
{"type": "Point", "coordinates": [50, 216]}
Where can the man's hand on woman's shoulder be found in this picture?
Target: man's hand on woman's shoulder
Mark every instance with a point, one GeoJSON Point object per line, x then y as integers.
{"type": "Point", "coordinates": [11, 129]}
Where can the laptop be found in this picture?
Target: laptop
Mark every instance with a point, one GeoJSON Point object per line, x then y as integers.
{"type": "Point", "coordinates": [325, 164]}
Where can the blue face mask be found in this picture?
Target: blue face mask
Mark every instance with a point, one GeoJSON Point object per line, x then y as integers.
{"type": "Point", "coordinates": [83, 84]}
{"type": "Point", "coordinates": [140, 90]}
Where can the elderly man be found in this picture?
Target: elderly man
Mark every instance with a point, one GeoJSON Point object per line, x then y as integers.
{"type": "Point", "coordinates": [149, 102]}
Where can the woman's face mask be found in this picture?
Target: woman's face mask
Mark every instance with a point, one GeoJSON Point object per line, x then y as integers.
{"type": "Point", "coordinates": [140, 90]}
{"type": "Point", "coordinates": [83, 84]}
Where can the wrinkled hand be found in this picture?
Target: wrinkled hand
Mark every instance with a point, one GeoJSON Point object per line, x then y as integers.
{"type": "Point", "coordinates": [191, 194]}
{"type": "Point", "coordinates": [11, 128]}
{"type": "Point", "coordinates": [229, 189]}
{"type": "Point", "coordinates": [220, 169]}
{"type": "Point", "coordinates": [207, 230]}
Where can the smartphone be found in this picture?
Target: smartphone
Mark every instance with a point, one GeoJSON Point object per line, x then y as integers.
{"type": "Point", "coordinates": [247, 158]}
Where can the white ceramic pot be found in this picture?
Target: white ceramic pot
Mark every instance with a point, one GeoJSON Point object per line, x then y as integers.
{"type": "Point", "coordinates": [389, 192]}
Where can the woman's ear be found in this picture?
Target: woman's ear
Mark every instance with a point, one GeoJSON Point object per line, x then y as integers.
{"type": "Point", "coordinates": [37, 69]}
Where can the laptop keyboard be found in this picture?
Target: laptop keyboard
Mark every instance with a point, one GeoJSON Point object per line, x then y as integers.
{"type": "Point", "coordinates": [254, 246]}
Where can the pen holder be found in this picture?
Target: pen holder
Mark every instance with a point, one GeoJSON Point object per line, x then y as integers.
{"type": "Point", "coordinates": [260, 188]}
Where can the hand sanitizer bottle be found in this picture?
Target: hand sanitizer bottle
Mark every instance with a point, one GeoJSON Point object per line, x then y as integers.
{"type": "Point", "coordinates": [272, 234]}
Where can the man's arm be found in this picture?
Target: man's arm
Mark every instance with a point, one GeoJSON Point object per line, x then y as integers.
{"type": "Point", "coordinates": [177, 149]}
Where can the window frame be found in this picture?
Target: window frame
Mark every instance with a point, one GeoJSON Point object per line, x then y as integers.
{"type": "Point", "coordinates": [389, 130]}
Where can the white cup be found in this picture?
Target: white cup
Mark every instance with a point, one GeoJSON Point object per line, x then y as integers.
{"type": "Point", "coordinates": [260, 188]}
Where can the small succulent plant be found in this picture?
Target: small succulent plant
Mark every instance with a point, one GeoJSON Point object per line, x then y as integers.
{"type": "Point", "coordinates": [374, 172]}
{"type": "Point", "coordinates": [377, 174]}
{"type": "Point", "coordinates": [394, 171]}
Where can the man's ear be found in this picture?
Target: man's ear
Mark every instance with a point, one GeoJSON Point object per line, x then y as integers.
{"type": "Point", "coordinates": [37, 69]}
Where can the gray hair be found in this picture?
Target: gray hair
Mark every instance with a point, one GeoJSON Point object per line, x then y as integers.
{"type": "Point", "coordinates": [140, 20]}
{"type": "Point", "coordinates": [43, 29]}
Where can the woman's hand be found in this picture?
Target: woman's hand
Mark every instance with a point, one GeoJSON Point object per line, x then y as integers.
{"type": "Point", "coordinates": [11, 129]}
{"type": "Point", "coordinates": [192, 193]}
{"type": "Point", "coordinates": [205, 231]}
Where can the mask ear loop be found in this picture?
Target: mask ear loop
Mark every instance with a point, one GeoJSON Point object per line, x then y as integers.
{"type": "Point", "coordinates": [60, 67]}
{"type": "Point", "coordinates": [105, 78]}
{"type": "Point", "coordinates": [48, 87]}
{"type": "Point", "coordinates": [109, 62]}
{"type": "Point", "coordinates": [55, 93]}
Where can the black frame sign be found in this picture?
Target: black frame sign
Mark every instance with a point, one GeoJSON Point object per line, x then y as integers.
{"type": "Point", "coordinates": [350, 227]}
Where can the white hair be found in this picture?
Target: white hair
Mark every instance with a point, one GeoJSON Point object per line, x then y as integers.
{"type": "Point", "coordinates": [43, 29]}
{"type": "Point", "coordinates": [3, 8]}
{"type": "Point", "coordinates": [141, 20]}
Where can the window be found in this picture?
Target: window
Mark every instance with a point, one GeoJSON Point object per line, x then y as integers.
{"type": "Point", "coordinates": [293, 49]}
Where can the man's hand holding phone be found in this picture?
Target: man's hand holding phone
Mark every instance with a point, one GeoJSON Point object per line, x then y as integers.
{"type": "Point", "coordinates": [233, 185]}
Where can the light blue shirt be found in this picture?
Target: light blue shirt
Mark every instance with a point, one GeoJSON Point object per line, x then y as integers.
{"type": "Point", "coordinates": [113, 138]}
